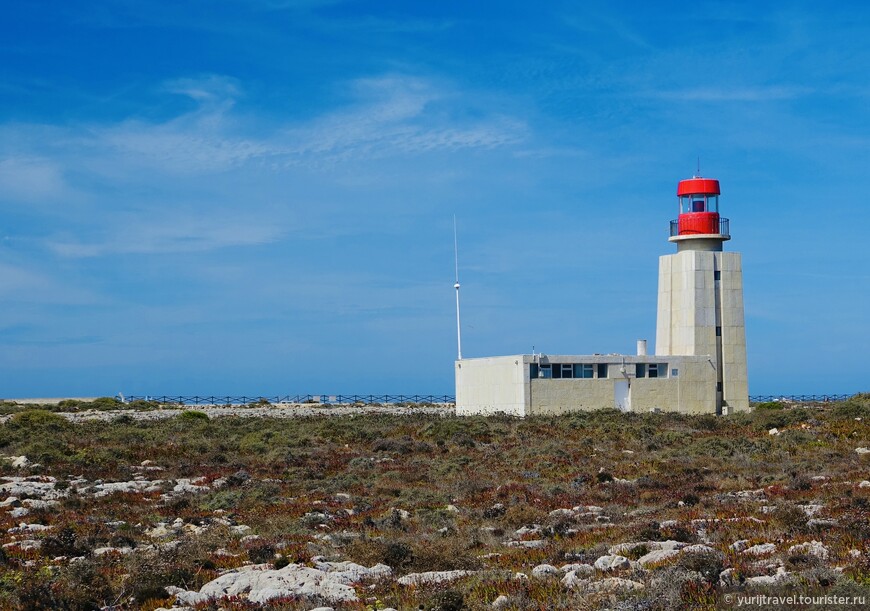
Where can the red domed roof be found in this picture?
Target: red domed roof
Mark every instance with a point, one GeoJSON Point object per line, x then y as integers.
{"type": "Point", "coordinates": [696, 186]}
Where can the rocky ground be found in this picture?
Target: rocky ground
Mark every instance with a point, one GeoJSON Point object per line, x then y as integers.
{"type": "Point", "coordinates": [411, 508]}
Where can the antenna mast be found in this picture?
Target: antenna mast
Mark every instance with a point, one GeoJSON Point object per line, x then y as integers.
{"type": "Point", "coordinates": [456, 286]}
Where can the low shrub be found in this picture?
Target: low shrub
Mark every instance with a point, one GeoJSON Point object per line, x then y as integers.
{"type": "Point", "coordinates": [190, 415]}
{"type": "Point", "coordinates": [38, 420]}
{"type": "Point", "coordinates": [770, 405]}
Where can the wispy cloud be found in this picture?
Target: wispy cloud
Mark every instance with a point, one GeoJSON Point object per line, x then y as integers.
{"type": "Point", "coordinates": [731, 94]}
{"type": "Point", "coordinates": [396, 114]}
{"type": "Point", "coordinates": [387, 115]}
{"type": "Point", "coordinates": [209, 88]}
{"type": "Point", "coordinates": [32, 285]}
{"type": "Point", "coordinates": [31, 179]}
{"type": "Point", "coordinates": [134, 235]}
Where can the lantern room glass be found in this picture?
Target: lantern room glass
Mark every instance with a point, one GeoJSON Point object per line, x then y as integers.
{"type": "Point", "coordinates": [699, 203]}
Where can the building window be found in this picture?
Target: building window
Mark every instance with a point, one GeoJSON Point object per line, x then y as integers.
{"type": "Point", "coordinates": [658, 370]}
{"type": "Point", "coordinates": [546, 372]}
{"type": "Point", "coordinates": [640, 370]}
{"type": "Point", "coordinates": [675, 373]}
{"type": "Point", "coordinates": [562, 370]}
{"type": "Point", "coordinates": [583, 371]}
{"type": "Point", "coordinates": [718, 331]}
{"type": "Point", "coordinates": [717, 275]}
{"type": "Point", "coordinates": [533, 371]}
{"type": "Point", "coordinates": [602, 370]}
{"type": "Point", "coordinates": [719, 386]}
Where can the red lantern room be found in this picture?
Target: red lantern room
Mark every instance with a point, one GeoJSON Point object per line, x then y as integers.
{"type": "Point", "coordinates": [699, 210]}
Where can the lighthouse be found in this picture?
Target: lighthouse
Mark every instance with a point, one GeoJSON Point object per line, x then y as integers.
{"type": "Point", "coordinates": [699, 364]}
{"type": "Point", "coordinates": [700, 295]}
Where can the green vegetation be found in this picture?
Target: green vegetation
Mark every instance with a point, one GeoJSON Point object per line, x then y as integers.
{"type": "Point", "coordinates": [467, 485]}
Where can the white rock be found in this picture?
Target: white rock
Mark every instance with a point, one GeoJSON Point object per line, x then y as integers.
{"type": "Point", "coordinates": [811, 548]}
{"type": "Point", "coordinates": [19, 462]}
{"type": "Point", "coordinates": [864, 484]}
{"type": "Point", "coordinates": [28, 528]}
{"type": "Point", "coordinates": [533, 544]}
{"type": "Point", "coordinates": [24, 545]}
{"type": "Point", "coordinates": [527, 530]}
{"type": "Point", "coordinates": [402, 514]}
{"type": "Point", "coordinates": [185, 597]}
{"type": "Point", "coordinates": [102, 551]}
{"type": "Point", "coordinates": [767, 580]}
{"type": "Point", "coordinates": [574, 579]}
{"type": "Point", "coordinates": [656, 556]}
{"type": "Point", "coordinates": [862, 450]}
{"type": "Point", "coordinates": [501, 602]}
{"type": "Point", "coordinates": [561, 513]}
{"type": "Point", "coordinates": [350, 572]}
{"type": "Point", "coordinates": [544, 570]}
{"type": "Point", "coordinates": [452, 509]}
{"type": "Point", "coordinates": [581, 570]}
{"type": "Point", "coordinates": [40, 488]}
{"type": "Point", "coordinates": [760, 549]}
{"type": "Point", "coordinates": [668, 523]}
{"type": "Point", "coordinates": [625, 548]}
{"type": "Point", "coordinates": [521, 577]}
{"type": "Point", "coordinates": [262, 584]}
{"type": "Point", "coordinates": [431, 577]}
{"type": "Point", "coordinates": [855, 553]}
{"type": "Point", "coordinates": [756, 495]}
{"type": "Point", "coordinates": [186, 485]}
{"type": "Point", "coordinates": [773, 431]}
{"type": "Point", "coordinates": [322, 609]}
{"type": "Point", "coordinates": [701, 549]}
{"type": "Point", "coordinates": [19, 512]}
{"type": "Point", "coordinates": [142, 485]}
{"type": "Point", "coordinates": [811, 509]}
{"type": "Point", "coordinates": [727, 578]}
{"type": "Point", "coordinates": [616, 584]}
{"type": "Point", "coordinates": [612, 563]}
{"type": "Point", "coordinates": [160, 531]}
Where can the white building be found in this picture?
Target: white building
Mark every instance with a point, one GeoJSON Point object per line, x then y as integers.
{"type": "Point", "coordinates": [699, 365]}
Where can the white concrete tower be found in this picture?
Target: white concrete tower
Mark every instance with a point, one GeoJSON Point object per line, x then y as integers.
{"type": "Point", "coordinates": [700, 303]}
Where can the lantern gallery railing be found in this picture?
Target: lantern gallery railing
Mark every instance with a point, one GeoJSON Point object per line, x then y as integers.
{"type": "Point", "coordinates": [724, 228]}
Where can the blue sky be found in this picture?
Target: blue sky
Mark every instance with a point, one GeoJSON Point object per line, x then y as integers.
{"type": "Point", "coordinates": [258, 196]}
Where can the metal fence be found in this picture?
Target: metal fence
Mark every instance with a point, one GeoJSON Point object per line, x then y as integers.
{"type": "Point", "coordinates": [316, 399]}
{"type": "Point", "coordinates": [394, 399]}
{"type": "Point", "coordinates": [798, 398]}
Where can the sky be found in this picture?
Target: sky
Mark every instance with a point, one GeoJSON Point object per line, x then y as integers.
{"type": "Point", "coordinates": [257, 196]}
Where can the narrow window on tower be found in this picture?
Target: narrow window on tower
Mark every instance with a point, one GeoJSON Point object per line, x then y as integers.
{"type": "Point", "coordinates": [717, 275]}
{"type": "Point", "coordinates": [533, 371]}
{"type": "Point", "coordinates": [718, 331]}
{"type": "Point", "coordinates": [640, 370]}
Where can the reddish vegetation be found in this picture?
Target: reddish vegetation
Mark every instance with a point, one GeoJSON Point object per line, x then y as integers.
{"type": "Point", "coordinates": [114, 513]}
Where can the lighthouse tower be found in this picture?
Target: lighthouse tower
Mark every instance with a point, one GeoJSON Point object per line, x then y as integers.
{"type": "Point", "coordinates": [700, 300]}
